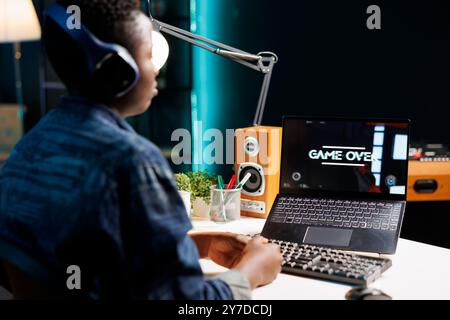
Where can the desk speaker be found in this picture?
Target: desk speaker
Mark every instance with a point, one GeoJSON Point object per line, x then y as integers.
{"type": "Point", "coordinates": [258, 152]}
{"type": "Point", "coordinates": [429, 181]}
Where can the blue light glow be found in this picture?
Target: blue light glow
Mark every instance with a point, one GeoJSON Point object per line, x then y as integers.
{"type": "Point", "coordinates": [206, 20]}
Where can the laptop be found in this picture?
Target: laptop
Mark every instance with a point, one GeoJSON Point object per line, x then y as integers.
{"type": "Point", "coordinates": [343, 184]}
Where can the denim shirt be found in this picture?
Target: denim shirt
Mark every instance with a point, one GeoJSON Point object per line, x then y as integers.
{"type": "Point", "coordinates": [82, 188]}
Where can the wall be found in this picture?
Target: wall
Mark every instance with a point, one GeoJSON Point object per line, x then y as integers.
{"type": "Point", "coordinates": [30, 79]}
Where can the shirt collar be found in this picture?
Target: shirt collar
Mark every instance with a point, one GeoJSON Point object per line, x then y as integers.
{"type": "Point", "coordinates": [103, 110]}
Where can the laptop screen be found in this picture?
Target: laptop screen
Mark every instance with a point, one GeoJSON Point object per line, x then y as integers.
{"type": "Point", "coordinates": [342, 156]}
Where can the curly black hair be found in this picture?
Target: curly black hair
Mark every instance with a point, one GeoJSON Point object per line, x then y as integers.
{"type": "Point", "coordinates": [106, 18]}
{"type": "Point", "coordinates": [109, 20]}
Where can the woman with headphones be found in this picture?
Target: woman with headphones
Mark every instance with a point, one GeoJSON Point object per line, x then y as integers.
{"type": "Point", "coordinates": [83, 188]}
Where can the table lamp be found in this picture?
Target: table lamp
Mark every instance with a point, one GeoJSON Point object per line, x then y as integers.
{"type": "Point", "coordinates": [18, 22]}
{"type": "Point", "coordinates": [262, 62]}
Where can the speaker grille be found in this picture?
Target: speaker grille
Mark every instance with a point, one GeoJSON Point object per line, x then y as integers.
{"type": "Point", "coordinates": [255, 183]}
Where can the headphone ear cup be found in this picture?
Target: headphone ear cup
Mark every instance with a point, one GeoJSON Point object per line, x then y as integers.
{"type": "Point", "coordinates": [114, 77]}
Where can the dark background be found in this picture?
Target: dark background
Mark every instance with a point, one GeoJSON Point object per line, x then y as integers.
{"type": "Point", "coordinates": [331, 64]}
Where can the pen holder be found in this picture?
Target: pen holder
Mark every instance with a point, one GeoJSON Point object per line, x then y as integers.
{"type": "Point", "coordinates": [186, 197]}
{"type": "Point", "coordinates": [225, 205]}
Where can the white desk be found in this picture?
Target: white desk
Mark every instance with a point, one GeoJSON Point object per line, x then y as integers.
{"type": "Point", "coordinates": [419, 272]}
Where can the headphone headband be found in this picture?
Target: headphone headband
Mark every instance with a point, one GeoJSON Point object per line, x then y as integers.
{"type": "Point", "coordinates": [104, 60]}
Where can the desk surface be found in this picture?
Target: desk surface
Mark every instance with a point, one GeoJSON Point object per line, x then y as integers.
{"type": "Point", "coordinates": [414, 275]}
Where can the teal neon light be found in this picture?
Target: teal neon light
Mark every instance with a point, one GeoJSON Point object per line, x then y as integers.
{"type": "Point", "coordinates": [193, 16]}
{"type": "Point", "coordinates": [206, 97]}
{"type": "Point", "coordinates": [194, 99]}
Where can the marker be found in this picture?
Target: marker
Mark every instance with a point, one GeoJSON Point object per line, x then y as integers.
{"type": "Point", "coordinates": [232, 182]}
{"type": "Point", "coordinates": [244, 181]}
{"type": "Point", "coordinates": [220, 180]}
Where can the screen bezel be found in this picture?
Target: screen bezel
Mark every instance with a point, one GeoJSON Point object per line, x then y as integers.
{"type": "Point", "coordinates": [346, 194]}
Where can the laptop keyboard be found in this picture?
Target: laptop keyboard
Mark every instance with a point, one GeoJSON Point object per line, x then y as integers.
{"type": "Point", "coordinates": [337, 213]}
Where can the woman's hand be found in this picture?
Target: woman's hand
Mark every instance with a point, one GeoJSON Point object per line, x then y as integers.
{"type": "Point", "coordinates": [225, 249]}
{"type": "Point", "coordinates": [258, 260]}
{"type": "Point", "coordinates": [261, 262]}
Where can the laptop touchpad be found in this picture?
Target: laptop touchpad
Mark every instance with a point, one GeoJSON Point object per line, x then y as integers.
{"type": "Point", "coordinates": [328, 237]}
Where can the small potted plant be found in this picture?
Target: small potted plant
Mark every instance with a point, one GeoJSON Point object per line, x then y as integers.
{"type": "Point", "coordinates": [195, 189]}
{"type": "Point", "coordinates": [184, 188]}
{"type": "Point", "coordinates": [201, 183]}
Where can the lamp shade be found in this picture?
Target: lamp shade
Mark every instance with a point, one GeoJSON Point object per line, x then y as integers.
{"type": "Point", "coordinates": [160, 50]}
{"type": "Point", "coordinates": [18, 21]}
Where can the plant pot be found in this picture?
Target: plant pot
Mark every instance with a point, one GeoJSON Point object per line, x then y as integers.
{"type": "Point", "coordinates": [201, 209]}
{"type": "Point", "coordinates": [186, 197]}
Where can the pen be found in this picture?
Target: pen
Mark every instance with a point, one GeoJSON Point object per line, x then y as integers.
{"type": "Point", "coordinates": [244, 181]}
{"type": "Point", "coordinates": [232, 182]}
